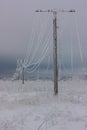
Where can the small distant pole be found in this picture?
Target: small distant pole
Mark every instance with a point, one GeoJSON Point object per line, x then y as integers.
{"type": "Point", "coordinates": [55, 45]}
{"type": "Point", "coordinates": [23, 75]}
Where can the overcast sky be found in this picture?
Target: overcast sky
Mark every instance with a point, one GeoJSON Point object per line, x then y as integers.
{"type": "Point", "coordinates": [15, 17]}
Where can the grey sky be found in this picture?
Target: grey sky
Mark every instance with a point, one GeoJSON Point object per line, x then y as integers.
{"type": "Point", "coordinates": [15, 17]}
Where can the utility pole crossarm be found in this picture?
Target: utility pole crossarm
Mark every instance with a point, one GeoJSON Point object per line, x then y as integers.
{"type": "Point", "coordinates": [51, 11]}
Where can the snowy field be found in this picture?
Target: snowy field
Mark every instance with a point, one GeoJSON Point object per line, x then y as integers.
{"type": "Point", "coordinates": [33, 106]}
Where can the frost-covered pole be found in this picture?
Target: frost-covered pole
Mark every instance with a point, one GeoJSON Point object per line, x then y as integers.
{"type": "Point", "coordinates": [55, 52]}
{"type": "Point", "coordinates": [23, 75]}
{"type": "Point", "coordinates": [55, 45]}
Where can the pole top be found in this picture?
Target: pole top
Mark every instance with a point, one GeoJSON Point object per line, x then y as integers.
{"type": "Point", "coordinates": [73, 10]}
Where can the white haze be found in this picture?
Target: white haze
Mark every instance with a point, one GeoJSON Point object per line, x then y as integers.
{"type": "Point", "coordinates": [16, 17]}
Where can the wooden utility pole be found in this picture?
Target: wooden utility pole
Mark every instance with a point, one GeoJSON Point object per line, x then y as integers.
{"type": "Point", "coordinates": [55, 45]}
{"type": "Point", "coordinates": [55, 52]}
{"type": "Point", "coordinates": [23, 75]}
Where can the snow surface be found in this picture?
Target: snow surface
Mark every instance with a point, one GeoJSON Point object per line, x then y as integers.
{"type": "Point", "coordinates": [33, 106]}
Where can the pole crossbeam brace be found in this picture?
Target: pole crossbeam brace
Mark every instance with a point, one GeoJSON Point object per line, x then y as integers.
{"type": "Point", "coordinates": [51, 11]}
{"type": "Point", "coordinates": [55, 43]}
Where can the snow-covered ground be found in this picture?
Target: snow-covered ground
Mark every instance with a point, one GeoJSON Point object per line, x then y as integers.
{"type": "Point", "coordinates": [33, 106]}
